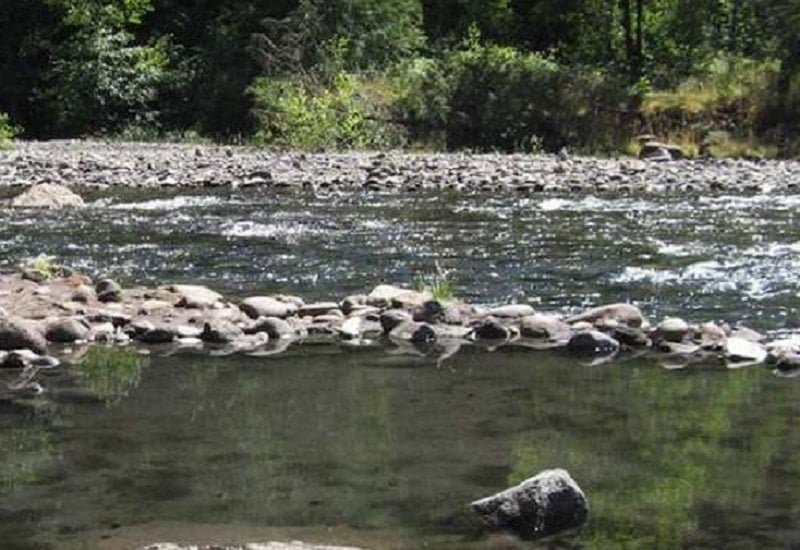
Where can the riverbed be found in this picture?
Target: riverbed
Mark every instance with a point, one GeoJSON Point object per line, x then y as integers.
{"type": "Point", "coordinates": [379, 450]}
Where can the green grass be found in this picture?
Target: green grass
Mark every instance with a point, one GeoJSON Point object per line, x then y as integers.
{"type": "Point", "coordinates": [7, 131]}
{"type": "Point", "coordinates": [438, 284]}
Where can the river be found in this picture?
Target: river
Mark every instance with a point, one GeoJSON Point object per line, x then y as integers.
{"type": "Point", "coordinates": [371, 449]}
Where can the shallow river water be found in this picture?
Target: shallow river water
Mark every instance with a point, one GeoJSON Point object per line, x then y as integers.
{"type": "Point", "coordinates": [379, 450]}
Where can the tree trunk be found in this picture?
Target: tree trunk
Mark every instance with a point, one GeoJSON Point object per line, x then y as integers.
{"type": "Point", "coordinates": [639, 38]}
{"type": "Point", "coordinates": [625, 6]}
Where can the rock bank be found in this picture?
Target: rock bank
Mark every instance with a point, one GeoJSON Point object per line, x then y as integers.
{"type": "Point", "coordinates": [101, 165]}
{"type": "Point", "coordinates": [44, 319]}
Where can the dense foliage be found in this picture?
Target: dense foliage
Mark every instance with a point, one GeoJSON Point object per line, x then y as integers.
{"type": "Point", "coordinates": [479, 74]}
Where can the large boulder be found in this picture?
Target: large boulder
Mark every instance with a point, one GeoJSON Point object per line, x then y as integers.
{"type": "Point", "coordinates": [47, 195]}
{"type": "Point", "coordinates": [17, 333]}
{"type": "Point", "coordinates": [538, 507]}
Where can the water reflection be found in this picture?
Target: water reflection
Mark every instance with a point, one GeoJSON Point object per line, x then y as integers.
{"type": "Point", "coordinates": [394, 447]}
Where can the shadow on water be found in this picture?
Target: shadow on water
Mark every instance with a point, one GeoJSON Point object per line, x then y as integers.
{"type": "Point", "coordinates": [355, 447]}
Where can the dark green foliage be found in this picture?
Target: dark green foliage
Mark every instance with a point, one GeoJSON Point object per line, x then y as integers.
{"type": "Point", "coordinates": [492, 97]}
{"type": "Point", "coordinates": [7, 131]}
{"type": "Point", "coordinates": [544, 72]}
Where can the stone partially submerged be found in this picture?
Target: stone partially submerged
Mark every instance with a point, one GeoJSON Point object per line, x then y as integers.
{"type": "Point", "coordinates": [46, 195]}
{"type": "Point", "coordinates": [538, 507]}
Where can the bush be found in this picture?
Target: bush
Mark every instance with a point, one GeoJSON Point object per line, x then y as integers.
{"type": "Point", "coordinates": [300, 114]}
{"type": "Point", "coordinates": [488, 97]}
{"type": "Point", "coordinates": [7, 131]}
{"type": "Point", "coordinates": [102, 83]}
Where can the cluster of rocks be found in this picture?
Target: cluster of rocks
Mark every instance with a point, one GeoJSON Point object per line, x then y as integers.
{"type": "Point", "coordinates": [294, 545]}
{"type": "Point", "coordinates": [102, 165]}
{"type": "Point", "coordinates": [44, 310]}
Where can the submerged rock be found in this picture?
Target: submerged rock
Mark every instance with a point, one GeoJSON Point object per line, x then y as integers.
{"type": "Point", "coordinates": [538, 507]}
{"type": "Point", "coordinates": [47, 195]}
{"type": "Point", "coordinates": [592, 343]}
{"type": "Point", "coordinates": [491, 329]}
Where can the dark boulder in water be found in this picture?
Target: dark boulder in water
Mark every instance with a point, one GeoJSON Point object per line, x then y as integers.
{"type": "Point", "coordinates": [540, 506]}
{"type": "Point", "coordinates": [592, 343]}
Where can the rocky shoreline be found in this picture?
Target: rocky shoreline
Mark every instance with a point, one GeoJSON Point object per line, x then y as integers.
{"type": "Point", "coordinates": [47, 313]}
{"type": "Point", "coordinates": [96, 165]}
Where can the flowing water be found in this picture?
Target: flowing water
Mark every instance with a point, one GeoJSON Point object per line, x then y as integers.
{"type": "Point", "coordinates": [381, 450]}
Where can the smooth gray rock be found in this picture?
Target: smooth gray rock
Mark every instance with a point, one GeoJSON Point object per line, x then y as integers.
{"type": "Point", "coordinates": [512, 311]}
{"type": "Point", "coordinates": [275, 327]}
{"type": "Point", "coordinates": [67, 330]}
{"type": "Point", "coordinates": [710, 337]}
{"type": "Point", "coordinates": [318, 308]}
{"type": "Point", "coordinates": [742, 353]}
{"type": "Point", "coordinates": [83, 294]}
{"type": "Point", "coordinates": [545, 327]}
{"type": "Point", "coordinates": [108, 290]}
{"type": "Point", "coordinates": [625, 314]}
{"type": "Point", "coordinates": [541, 506]}
{"type": "Point", "coordinates": [220, 332]}
{"type": "Point", "coordinates": [266, 306]}
{"type": "Point", "coordinates": [673, 329]}
{"type": "Point", "coordinates": [16, 333]}
{"type": "Point", "coordinates": [389, 319]}
{"type": "Point", "coordinates": [196, 296]}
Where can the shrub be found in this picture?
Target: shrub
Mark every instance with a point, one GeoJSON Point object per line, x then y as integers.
{"type": "Point", "coordinates": [488, 97]}
{"type": "Point", "coordinates": [7, 131]}
{"type": "Point", "coordinates": [102, 83]}
{"type": "Point", "coordinates": [299, 114]}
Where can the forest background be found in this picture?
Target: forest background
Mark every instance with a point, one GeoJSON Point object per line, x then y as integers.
{"type": "Point", "coordinates": [719, 76]}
